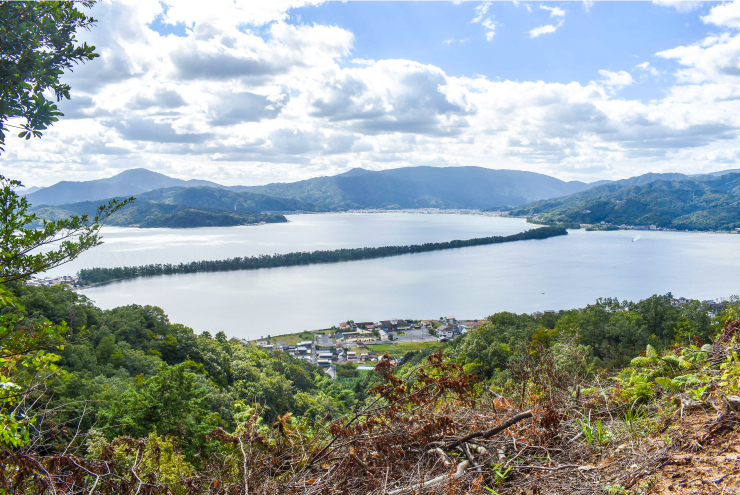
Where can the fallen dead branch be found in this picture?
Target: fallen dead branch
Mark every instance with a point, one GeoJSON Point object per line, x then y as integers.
{"type": "Point", "coordinates": [493, 431]}
{"type": "Point", "coordinates": [434, 482]}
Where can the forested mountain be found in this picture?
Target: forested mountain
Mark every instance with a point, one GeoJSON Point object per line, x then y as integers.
{"type": "Point", "coordinates": [205, 381]}
{"type": "Point", "coordinates": [223, 199]}
{"type": "Point", "coordinates": [706, 203]}
{"type": "Point", "coordinates": [128, 183]}
{"type": "Point", "coordinates": [147, 214]}
{"type": "Point", "coordinates": [424, 187]}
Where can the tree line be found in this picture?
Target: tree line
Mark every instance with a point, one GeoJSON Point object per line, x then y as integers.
{"type": "Point", "coordinates": [88, 276]}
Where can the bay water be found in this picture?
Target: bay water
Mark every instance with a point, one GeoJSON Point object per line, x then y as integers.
{"type": "Point", "coordinates": [558, 273]}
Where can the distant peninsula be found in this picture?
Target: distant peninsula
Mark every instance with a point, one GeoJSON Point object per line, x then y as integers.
{"type": "Point", "coordinates": [704, 203]}
{"type": "Point", "coordinates": [161, 215]}
{"type": "Point", "coordinates": [94, 276]}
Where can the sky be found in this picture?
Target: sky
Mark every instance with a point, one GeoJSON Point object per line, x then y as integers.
{"type": "Point", "coordinates": [252, 92]}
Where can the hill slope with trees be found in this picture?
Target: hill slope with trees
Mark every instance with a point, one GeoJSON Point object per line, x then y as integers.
{"type": "Point", "coordinates": [147, 214]}
{"type": "Point", "coordinates": [709, 204]}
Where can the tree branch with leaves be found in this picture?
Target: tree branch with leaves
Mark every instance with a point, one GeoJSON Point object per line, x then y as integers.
{"type": "Point", "coordinates": [26, 250]}
{"type": "Point", "coordinates": [37, 44]}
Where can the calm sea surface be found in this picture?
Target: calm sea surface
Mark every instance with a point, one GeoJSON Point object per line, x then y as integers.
{"type": "Point", "coordinates": [558, 273]}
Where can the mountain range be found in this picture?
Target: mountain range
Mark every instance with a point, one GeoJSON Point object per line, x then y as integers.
{"type": "Point", "coordinates": [424, 187]}
{"type": "Point", "coordinates": [411, 187]}
{"type": "Point", "coordinates": [163, 200]}
{"type": "Point", "coordinates": [128, 183]}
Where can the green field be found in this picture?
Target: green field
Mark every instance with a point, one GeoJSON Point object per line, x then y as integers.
{"type": "Point", "coordinates": [294, 338]}
{"type": "Point", "coordinates": [401, 348]}
{"type": "Point", "coordinates": [290, 339]}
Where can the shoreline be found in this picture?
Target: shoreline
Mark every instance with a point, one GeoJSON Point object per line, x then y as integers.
{"type": "Point", "coordinates": [438, 211]}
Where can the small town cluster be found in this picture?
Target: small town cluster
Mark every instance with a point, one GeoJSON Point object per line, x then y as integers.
{"type": "Point", "coordinates": [70, 280]}
{"type": "Point", "coordinates": [351, 342]}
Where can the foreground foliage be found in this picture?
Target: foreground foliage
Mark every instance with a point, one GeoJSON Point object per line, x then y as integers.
{"type": "Point", "coordinates": [135, 403]}
{"type": "Point", "coordinates": [431, 427]}
{"type": "Point", "coordinates": [37, 43]}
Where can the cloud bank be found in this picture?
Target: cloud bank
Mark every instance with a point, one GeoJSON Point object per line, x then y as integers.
{"type": "Point", "coordinates": [243, 96]}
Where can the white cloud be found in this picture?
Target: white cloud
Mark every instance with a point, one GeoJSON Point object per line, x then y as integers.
{"type": "Point", "coordinates": [481, 10]}
{"type": "Point", "coordinates": [726, 15]}
{"type": "Point", "coordinates": [645, 66]}
{"type": "Point", "coordinates": [549, 28]}
{"type": "Point", "coordinates": [554, 11]}
{"type": "Point", "coordinates": [680, 5]}
{"type": "Point", "coordinates": [616, 79]}
{"type": "Point", "coordinates": [490, 26]}
{"type": "Point", "coordinates": [246, 97]}
{"type": "Point", "coordinates": [587, 4]}
{"type": "Point", "coordinates": [487, 22]}
{"type": "Point", "coordinates": [716, 58]}
{"type": "Point", "coordinates": [526, 5]}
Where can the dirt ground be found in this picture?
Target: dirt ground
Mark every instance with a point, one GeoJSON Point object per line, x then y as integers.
{"type": "Point", "coordinates": [703, 458]}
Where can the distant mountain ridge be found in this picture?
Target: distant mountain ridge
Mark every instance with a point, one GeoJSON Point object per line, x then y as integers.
{"type": "Point", "coordinates": [193, 206]}
{"type": "Point", "coordinates": [423, 187]}
{"type": "Point", "coordinates": [29, 190]}
{"type": "Point", "coordinates": [706, 202]}
{"type": "Point", "coordinates": [128, 183]}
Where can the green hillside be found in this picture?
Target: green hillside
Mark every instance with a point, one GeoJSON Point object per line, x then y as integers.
{"type": "Point", "coordinates": [697, 204]}
{"type": "Point", "coordinates": [151, 215]}
{"type": "Point", "coordinates": [223, 199]}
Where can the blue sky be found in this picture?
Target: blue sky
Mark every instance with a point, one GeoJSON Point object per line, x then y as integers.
{"type": "Point", "coordinates": [257, 92]}
{"type": "Point", "coordinates": [606, 35]}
